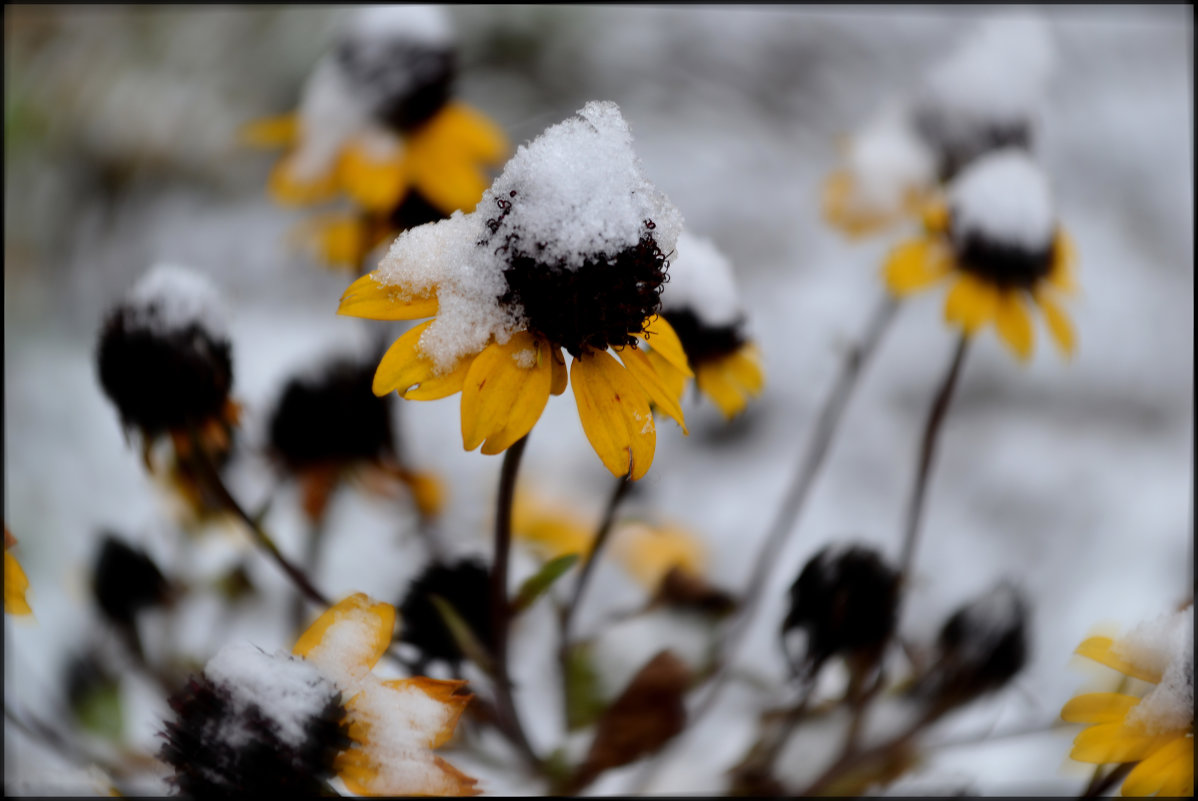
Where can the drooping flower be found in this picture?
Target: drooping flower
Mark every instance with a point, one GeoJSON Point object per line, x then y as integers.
{"type": "Point", "coordinates": [703, 307]}
{"type": "Point", "coordinates": [574, 259]}
{"type": "Point", "coordinates": [125, 580]}
{"type": "Point", "coordinates": [1155, 729]}
{"type": "Point", "coordinates": [16, 583]}
{"type": "Point", "coordinates": [465, 586]}
{"type": "Point", "coordinates": [378, 124]}
{"type": "Point", "coordinates": [998, 240]}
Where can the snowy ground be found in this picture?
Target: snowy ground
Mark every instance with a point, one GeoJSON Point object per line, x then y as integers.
{"type": "Point", "coordinates": [1075, 479]}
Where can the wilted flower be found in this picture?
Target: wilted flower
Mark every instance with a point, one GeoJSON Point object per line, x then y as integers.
{"type": "Point", "coordinates": [1155, 730]}
{"type": "Point", "coordinates": [465, 586]}
{"type": "Point", "coordinates": [845, 600]}
{"type": "Point", "coordinates": [703, 307]}
{"type": "Point", "coordinates": [125, 580]}
{"type": "Point", "coordinates": [575, 258]}
{"type": "Point", "coordinates": [998, 239]}
{"type": "Point", "coordinates": [16, 583]}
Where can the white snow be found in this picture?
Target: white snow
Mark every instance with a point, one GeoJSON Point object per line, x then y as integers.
{"type": "Point", "coordinates": [1164, 645]}
{"type": "Point", "coordinates": [287, 689]}
{"type": "Point", "coordinates": [425, 24]}
{"type": "Point", "coordinates": [579, 190]}
{"type": "Point", "coordinates": [887, 159]}
{"type": "Point", "coordinates": [701, 280]}
{"type": "Point", "coordinates": [171, 298]}
{"type": "Point", "coordinates": [1004, 196]}
{"type": "Point", "coordinates": [331, 112]}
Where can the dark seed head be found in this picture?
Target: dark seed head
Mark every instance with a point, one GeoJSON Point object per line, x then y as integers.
{"type": "Point", "coordinates": [414, 210]}
{"type": "Point", "coordinates": [702, 342]}
{"type": "Point", "coordinates": [956, 143]}
{"type": "Point", "coordinates": [1000, 263]}
{"type": "Point", "coordinates": [464, 585]}
{"type": "Point", "coordinates": [406, 82]}
{"type": "Point", "coordinates": [125, 580]}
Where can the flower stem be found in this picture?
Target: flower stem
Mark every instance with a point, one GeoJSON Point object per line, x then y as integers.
{"type": "Point", "coordinates": [501, 610]}
{"type": "Point", "coordinates": [1100, 786]}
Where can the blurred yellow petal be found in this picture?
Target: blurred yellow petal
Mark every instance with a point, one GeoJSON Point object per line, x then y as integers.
{"type": "Point", "coordinates": [614, 413]}
{"type": "Point", "coordinates": [16, 583]}
{"type": "Point", "coordinates": [649, 552]}
{"type": "Point", "coordinates": [561, 376]}
{"type": "Point", "coordinates": [1115, 742]}
{"type": "Point", "coordinates": [673, 378]}
{"type": "Point", "coordinates": [469, 132]}
{"type": "Point", "coordinates": [271, 131]}
{"type": "Point", "coordinates": [1064, 263]}
{"type": "Point", "coordinates": [661, 337]}
{"type": "Point", "coordinates": [1167, 767]}
{"type": "Point", "coordinates": [1100, 649]}
{"type": "Point", "coordinates": [843, 209]}
{"type": "Point", "coordinates": [375, 299]}
{"type": "Point", "coordinates": [505, 392]}
{"type": "Point", "coordinates": [915, 265]}
{"type": "Point", "coordinates": [1013, 323]}
{"type": "Point", "coordinates": [377, 185]}
{"type": "Point", "coordinates": [725, 392]}
{"type": "Point", "coordinates": [659, 392]}
{"type": "Point", "coordinates": [1058, 322]}
{"type": "Point", "coordinates": [288, 189]}
{"type": "Point", "coordinates": [971, 303]}
{"type": "Point", "coordinates": [935, 216]}
{"type": "Point", "coordinates": [744, 365]}
{"type": "Point", "coordinates": [550, 532]}
{"type": "Point", "coordinates": [1098, 708]}
{"type": "Point", "coordinates": [349, 638]}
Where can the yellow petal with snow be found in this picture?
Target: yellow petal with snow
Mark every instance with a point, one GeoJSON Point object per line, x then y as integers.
{"type": "Point", "coordinates": [1115, 742]}
{"type": "Point", "coordinates": [271, 131]}
{"type": "Point", "coordinates": [716, 382]}
{"type": "Point", "coordinates": [1098, 708]}
{"type": "Point", "coordinates": [614, 413]}
{"type": "Point", "coordinates": [405, 369]}
{"type": "Point", "coordinates": [638, 364]}
{"type": "Point", "coordinates": [1058, 322]}
{"type": "Point", "coordinates": [349, 638]}
{"type": "Point", "coordinates": [915, 265]}
{"type": "Point", "coordinates": [443, 691]}
{"type": "Point", "coordinates": [971, 303]}
{"type": "Point", "coordinates": [1013, 323]}
{"type": "Point", "coordinates": [1064, 263]}
{"type": "Point", "coordinates": [506, 390]}
{"type": "Point", "coordinates": [1168, 767]}
{"type": "Point", "coordinates": [377, 185]}
{"type": "Point", "coordinates": [287, 189]}
{"type": "Point", "coordinates": [661, 337]}
{"type": "Point", "coordinates": [16, 583]}
{"type": "Point", "coordinates": [375, 299]}
{"type": "Point", "coordinates": [1100, 649]}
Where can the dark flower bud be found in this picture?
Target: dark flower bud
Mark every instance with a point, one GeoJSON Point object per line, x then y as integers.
{"type": "Point", "coordinates": [125, 580]}
{"type": "Point", "coordinates": [702, 341]}
{"type": "Point", "coordinates": [254, 724]}
{"type": "Point", "coordinates": [332, 417]}
{"type": "Point", "coordinates": [163, 355]}
{"type": "Point", "coordinates": [464, 585]}
{"type": "Point", "coordinates": [980, 647]}
{"type": "Point", "coordinates": [845, 601]}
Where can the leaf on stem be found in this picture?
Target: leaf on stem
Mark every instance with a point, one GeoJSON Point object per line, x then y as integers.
{"type": "Point", "coordinates": [541, 581]}
{"type": "Point", "coordinates": [463, 635]}
{"type": "Point", "coordinates": [584, 701]}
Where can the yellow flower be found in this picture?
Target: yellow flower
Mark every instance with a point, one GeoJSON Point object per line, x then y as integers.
{"type": "Point", "coordinates": [394, 724]}
{"type": "Point", "coordinates": [577, 266]}
{"type": "Point", "coordinates": [996, 240]}
{"type": "Point", "coordinates": [1156, 731]}
{"type": "Point", "coordinates": [15, 582]}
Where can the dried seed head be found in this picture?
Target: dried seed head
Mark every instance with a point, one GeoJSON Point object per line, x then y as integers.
{"type": "Point", "coordinates": [464, 585]}
{"type": "Point", "coordinates": [125, 580]}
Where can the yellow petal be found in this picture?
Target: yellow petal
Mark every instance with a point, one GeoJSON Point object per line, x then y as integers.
{"type": "Point", "coordinates": [660, 336]}
{"type": "Point", "coordinates": [971, 303]}
{"type": "Point", "coordinates": [550, 532]}
{"type": "Point", "coordinates": [1114, 742]}
{"type": "Point", "coordinates": [448, 182]}
{"type": "Point", "coordinates": [1169, 765]}
{"type": "Point", "coordinates": [659, 392]}
{"type": "Point", "coordinates": [744, 365]}
{"type": "Point", "coordinates": [377, 185]}
{"type": "Point", "coordinates": [561, 377]}
{"type": "Point", "coordinates": [375, 299]}
{"type": "Point", "coordinates": [1064, 263]}
{"type": "Point", "coordinates": [935, 216]}
{"type": "Point", "coordinates": [350, 637]}
{"type": "Point", "coordinates": [1098, 708]}
{"type": "Point", "coordinates": [649, 552]}
{"type": "Point", "coordinates": [915, 265]}
{"type": "Point", "coordinates": [1100, 650]}
{"type": "Point", "coordinates": [1013, 323]}
{"type": "Point", "coordinates": [337, 239]}
{"type": "Point", "coordinates": [271, 131]}
{"type": "Point", "coordinates": [404, 364]}
{"type": "Point", "coordinates": [289, 190]}
{"type": "Point", "coordinates": [471, 133]}
{"type": "Point", "coordinates": [442, 691]}
{"type": "Point", "coordinates": [1058, 322]}
{"type": "Point", "coordinates": [843, 210]}
{"type": "Point", "coordinates": [614, 413]}
{"type": "Point", "coordinates": [505, 392]}
{"type": "Point", "coordinates": [717, 383]}
{"type": "Point", "coordinates": [16, 583]}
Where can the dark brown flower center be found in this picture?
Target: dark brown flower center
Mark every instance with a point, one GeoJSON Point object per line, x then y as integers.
{"type": "Point", "coordinates": [702, 342]}
{"type": "Point", "coordinates": [1005, 264]}
{"type": "Point", "coordinates": [407, 83]}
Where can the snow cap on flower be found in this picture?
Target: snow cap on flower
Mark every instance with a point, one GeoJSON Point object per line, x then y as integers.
{"type": "Point", "coordinates": [886, 162]}
{"type": "Point", "coordinates": [164, 352]}
{"type": "Point", "coordinates": [702, 281]}
{"type": "Point", "coordinates": [1164, 646]}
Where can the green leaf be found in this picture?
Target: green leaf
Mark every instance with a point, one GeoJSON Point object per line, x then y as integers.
{"type": "Point", "coordinates": [100, 711]}
{"type": "Point", "coordinates": [541, 581]}
{"type": "Point", "coordinates": [584, 701]}
{"type": "Point", "coordinates": [463, 635]}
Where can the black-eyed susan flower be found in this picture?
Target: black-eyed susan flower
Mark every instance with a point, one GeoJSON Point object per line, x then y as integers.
{"type": "Point", "coordinates": [1153, 729]}
{"type": "Point", "coordinates": [567, 252]}
{"type": "Point", "coordinates": [984, 95]}
{"type": "Point", "coordinates": [377, 123]}
{"type": "Point", "coordinates": [16, 583]}
{"type": "Point", "coordinates": [702, 305]}
{"type": "Point", "coordinates": [465, 586]}
{"type": "Point", "coordinates": [998, 241]}
{"type": "Point", "coordinates": [328, 423]}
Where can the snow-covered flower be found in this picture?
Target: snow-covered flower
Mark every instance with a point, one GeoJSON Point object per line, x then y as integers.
{"type": "Point", "coordinates": [1154, 729]}
{"type": "Point", "coordinates": [574, 258]}
{"type": "Point", "coordinates": [703, 307]}
{"type": "Point", "coordinates": [16, 583]}
{"type": "Point", "coordinates": [998, 238]}
{"type": "Point", "coordinates": [377, 123]}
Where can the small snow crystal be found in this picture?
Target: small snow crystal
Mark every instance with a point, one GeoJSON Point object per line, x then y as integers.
{"type": "Point", "coordinates": [288, 690]}
{"type": "Point", "coordinates": [1166, 646]}
{"type": "Point", "coordinates": [1003, 197]}
{"type": "Point", "coordinates": [701, 280]}
{"type": "Point", "coordinates": [169, 299]}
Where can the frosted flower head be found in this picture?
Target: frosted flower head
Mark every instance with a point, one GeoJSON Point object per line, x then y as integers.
{"type": "Point", "coordinates": [163, 355]}
{"type": "Point", "coordinates": [465, 586]}
{"type": "Point", "coordinates": [126, 580]}
{"type": "Point", "coordinates": [253, 723]}
{"type": "Point", "coordinates": [844, 599]}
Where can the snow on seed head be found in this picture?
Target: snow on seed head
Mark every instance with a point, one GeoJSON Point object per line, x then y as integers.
{"type": "Point", "coordinates": [701, 280]}
{"type": "Point", "coordinates": [423, 24]}
{"type": "Point", "coordinates": [170, 299]}
{"type": "Point", "coordinates": [1004, 198]}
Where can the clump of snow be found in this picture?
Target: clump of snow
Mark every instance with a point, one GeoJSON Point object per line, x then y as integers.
{"type": "Point", "coordinates": [579, 192]}
{"type": "Point", "coordinates": [888, 159]}
{"type": "Point", "coordinates": [425, 24]}
{"type": "Point", "coordinates": [331, 112]}
{"type": "Point", "coordinates": [288, 690]}
{"type": "Point", "coordinates": [701, 280]}
{"type": "Point", "coordinates": [1003, 197]}
{"type": "Point", "coordinates": [170, 299]}
{"type": "Point", "coordinates": [346, 652]}
{"type": "Point", "coordinates": [1166, 646]}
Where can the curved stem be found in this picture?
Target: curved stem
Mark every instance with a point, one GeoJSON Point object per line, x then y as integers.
{"type": "Point", "coordinates": [501, 612]}
{"type": "Point", "coordinates": [597, 543]}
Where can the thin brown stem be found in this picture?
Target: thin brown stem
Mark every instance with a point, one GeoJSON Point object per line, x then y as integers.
{"type": "Point", "coordinates": [1099, 787]}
